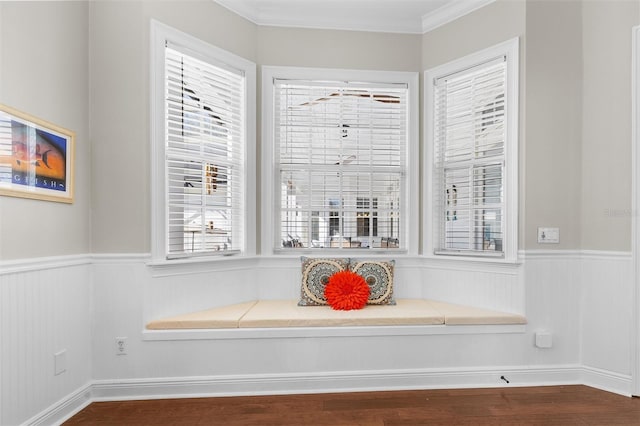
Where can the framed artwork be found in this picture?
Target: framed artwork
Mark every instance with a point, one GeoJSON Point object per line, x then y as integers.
{"type": "Point", "coordinates": [36, 158]}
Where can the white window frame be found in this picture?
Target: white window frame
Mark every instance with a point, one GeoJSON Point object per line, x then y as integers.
{"type": "Point", "coordinates": [269, 220]}
{"type": "Point", "coordinates": [510, 50]}
{"type": "Point", "coordinates": [160, 34]}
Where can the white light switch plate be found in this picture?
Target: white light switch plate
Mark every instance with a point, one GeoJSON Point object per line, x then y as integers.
{"type": "Point", "coordinates": [60, 362]}
{"type": "Point", "coordinates": [548, 235]}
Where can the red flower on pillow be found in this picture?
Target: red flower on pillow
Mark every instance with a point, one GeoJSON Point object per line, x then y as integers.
{"type": "Point", "coordinates": [346, 291]}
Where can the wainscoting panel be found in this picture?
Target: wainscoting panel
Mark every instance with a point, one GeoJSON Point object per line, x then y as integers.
{"type": "Point", "coordinates": [607, 289]}
{"type": "Point", "coordinates": [553, 303]}
{"type": "Point", "coordinates": [45, 309]}
{"type": "Point", "coordinates": [131, 293]}
{"type": "Point", "coordinates": [498, 287]}
{"type": "Point", "coordinates": [581, 298]}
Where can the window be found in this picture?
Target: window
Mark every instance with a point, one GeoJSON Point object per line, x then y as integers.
{"type": "Point", "coordinates": [342, 155]}
{"type": "Point", "coordinates": [201, 147]}
{"type": "Point", "coordinates": [471, 155]}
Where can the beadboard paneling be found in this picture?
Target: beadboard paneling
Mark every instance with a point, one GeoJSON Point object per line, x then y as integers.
{"type": "Point", "coordinates": [607, 294]}
{"type": "Point", "coordinates": [553, 303]}
{"type": "Point", "coordinates": [492, 287]}
{"type": "Point", "coordinates": [82, 305]}
{"type": "Point", "coordinates": [44, 309]}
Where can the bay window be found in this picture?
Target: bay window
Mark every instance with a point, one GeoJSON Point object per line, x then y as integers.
{"type": "Point", "coordinates": [341, 153]}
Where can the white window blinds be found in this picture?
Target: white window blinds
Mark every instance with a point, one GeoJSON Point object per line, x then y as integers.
{"type": "Point", "coordinates": [469, 159]}
{"type": "Point", "coordinates": [204, 150]}
{"type": "Point", "coordinates": [341, 159]}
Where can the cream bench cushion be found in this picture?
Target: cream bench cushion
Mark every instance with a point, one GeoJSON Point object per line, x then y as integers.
{"type": "Point", "coordinates": [286, 313]}
{"type": "Point", "coordinates": [222, 317]}
{"type": "Point", "coordinates": [469, 315]}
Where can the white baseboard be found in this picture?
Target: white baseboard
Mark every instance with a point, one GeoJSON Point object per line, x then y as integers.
{"type": "Point", "coordinates": [346, 381]}
{"type": "Point", "coordinates": [65, 408]}
{"type": "Point", "coordinates": [337, 381]}
{"type": "Point", "coordinates": [607, 381]}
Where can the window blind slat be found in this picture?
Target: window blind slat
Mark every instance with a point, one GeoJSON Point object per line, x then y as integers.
{"type": "Point", "coordinates": [204, 156]}
{"type": "Point", "coordinates": [341, 152]}
{"type": "Point", "coordinates": [469, 159]}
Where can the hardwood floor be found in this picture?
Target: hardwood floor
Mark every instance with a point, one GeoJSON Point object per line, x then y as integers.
{"type": "Point", "coordinates": [553, 405]}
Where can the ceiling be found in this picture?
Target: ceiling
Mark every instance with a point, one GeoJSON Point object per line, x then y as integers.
{"type": "Point", "coordinates": [397, 16]}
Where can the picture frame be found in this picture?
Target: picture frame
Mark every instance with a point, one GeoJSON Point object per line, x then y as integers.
{"type": "Point", "coordinates": [36, 158]}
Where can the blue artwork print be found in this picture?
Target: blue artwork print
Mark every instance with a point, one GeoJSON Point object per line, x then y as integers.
{"type": "Point", "coordinates": [38, 158]}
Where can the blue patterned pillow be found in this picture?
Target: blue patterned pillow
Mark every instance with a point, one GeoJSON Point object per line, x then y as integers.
{"type": "Point", "coordinates": [315, 275]}
{"type": "Point", "coordinates": [379, 276]}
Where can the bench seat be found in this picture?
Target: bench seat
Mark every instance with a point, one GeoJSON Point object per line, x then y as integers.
{"type": "Point", "coordinates": [287, 313]}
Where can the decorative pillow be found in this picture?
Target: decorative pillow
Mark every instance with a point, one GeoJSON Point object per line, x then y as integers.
{"type": "Point", "coordinates": [315, 276]}
{"type": "Point", "coordinates": [346, 291]}
{"type": "Point", "coordinates": [379, 276]}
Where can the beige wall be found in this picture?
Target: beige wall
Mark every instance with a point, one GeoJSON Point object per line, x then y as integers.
{"type": "Point", "coordinates": [338, 49]}
{"type": "Point", "coordinates": [575, 106]}
{"type": "Point", "coordinates": [120, 91]}
{"type": "Point", "coordinates": [500, 21]}
{"type": "Point", "coordinates": [43, 72]}
{"type": "Point", "coordinates": [490, 25]}
{"type": "Point", "coordinates": [606, 149]}
{"type": "Point", "coordinates": [575, 167]}
{"type": "Point", "coordinates": [119, 65]}
{"type": "Point", "coordinates": [553, 120]}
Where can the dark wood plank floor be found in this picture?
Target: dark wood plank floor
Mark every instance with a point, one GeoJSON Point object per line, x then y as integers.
{"type": "Point", "coordinates": [553, 405]}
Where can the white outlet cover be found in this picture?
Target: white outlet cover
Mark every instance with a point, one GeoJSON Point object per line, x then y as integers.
{"type": "Point", "coordinates": [548, 235]}
{"type": "Point", "coordinates": [121, 345]}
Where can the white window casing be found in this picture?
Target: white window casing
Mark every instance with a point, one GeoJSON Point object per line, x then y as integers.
{"type": "Point", "coordinates": [339, 161]}
{"type": "Point", "coordinates": [471, 156]}
{"type": "Point", "coordinates": [203, 144]}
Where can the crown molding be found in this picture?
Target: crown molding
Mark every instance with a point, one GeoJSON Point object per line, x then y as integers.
{"type": "Point", "coordinates": [450, 12]}
{"type": "Point", "coordinates": [241, 8]}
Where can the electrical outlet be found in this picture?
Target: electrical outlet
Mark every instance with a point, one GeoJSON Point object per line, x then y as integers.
{"type": "Point", "coordinates": [548, 235]}
{"type": "Point", "coordinates": [121, 345]}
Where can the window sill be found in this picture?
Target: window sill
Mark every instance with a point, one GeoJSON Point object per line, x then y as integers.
{"type": "Point", "coordinates": [195, 265]}
{"type": "Point", "coordinates": [464, 262]}
{"type": "Point", "coordinates": [337, 252]}
{"type": "Point", "coordinates": [160, 268]}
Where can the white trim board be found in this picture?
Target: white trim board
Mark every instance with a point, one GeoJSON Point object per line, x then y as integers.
{"type": "Point", "coordinates": [264, 261]}
{"type": "Point", "coordinates": [450, 12]}
{"type": "Point", "coordinates": [607, 380]}
{"type": "Point", "coordinates": [64, 409]}
{"type": "Point", "coordinates": [338, 381]}
{"type": "Point", "coordinates": [635, 203]}
{"type": "Point", "coordinates": [315, 332]}
{"type": "Point", "coordinates": [42, 263]}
